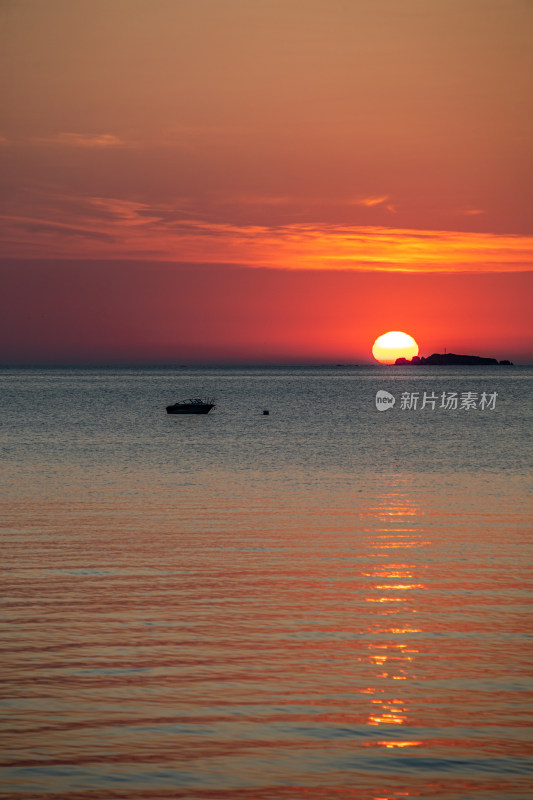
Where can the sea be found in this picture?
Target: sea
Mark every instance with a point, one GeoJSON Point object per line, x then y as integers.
{"type": "Point", "coordinates": [331, 600]}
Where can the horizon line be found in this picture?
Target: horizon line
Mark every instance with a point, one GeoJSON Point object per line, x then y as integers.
{"type": "Point", "coordinates": [226, 365]}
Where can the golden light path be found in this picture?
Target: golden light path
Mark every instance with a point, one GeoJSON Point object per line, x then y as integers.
{"type": "Point", "coordinates": [392, 345]}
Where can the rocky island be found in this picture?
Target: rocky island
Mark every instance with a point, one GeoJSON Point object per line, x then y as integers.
{"type": "Point", "coordinates": [451, 359]}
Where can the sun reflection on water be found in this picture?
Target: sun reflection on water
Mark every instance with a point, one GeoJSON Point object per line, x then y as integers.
{"type": "Point", "coordinates": [396, 654]}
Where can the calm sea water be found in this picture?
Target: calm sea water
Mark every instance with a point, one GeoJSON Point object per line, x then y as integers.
{"type": "Point", "coordinates": [326, 602]}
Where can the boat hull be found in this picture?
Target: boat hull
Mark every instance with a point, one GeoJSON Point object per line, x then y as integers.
{"type": "Point", "coordinates": [185, 408]}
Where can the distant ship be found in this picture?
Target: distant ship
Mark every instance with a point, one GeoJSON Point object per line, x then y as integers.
{"type": "Point", "coordinates": [197, 405]}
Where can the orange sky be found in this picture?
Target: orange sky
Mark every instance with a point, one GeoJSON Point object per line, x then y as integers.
{"type": "Point", "coordinates": [187, 149]}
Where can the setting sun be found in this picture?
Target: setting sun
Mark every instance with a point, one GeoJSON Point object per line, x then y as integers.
{"type": "Point", "coordinates": [392, 345]}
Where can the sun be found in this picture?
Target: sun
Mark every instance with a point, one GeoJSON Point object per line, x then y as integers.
{"type": "Point", "coordinates": [392, 345]}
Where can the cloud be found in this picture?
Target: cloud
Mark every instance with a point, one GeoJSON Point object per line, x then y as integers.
{"type": "Point", "coordinates": [123, 211]}
{"type": "Point", "coordinates": [472, 212]}
{"type": "Point", "coordinates": [373, 200]}
{"type": "Point", "coordinates": [108, 227]}
{"type": "Point", "coordinates": [98, 140]}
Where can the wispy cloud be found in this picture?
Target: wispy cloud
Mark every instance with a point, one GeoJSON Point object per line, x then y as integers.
{"type": "Point", "coordinates": [372, 200]}
{"type": "Point", "coordinates": [124, 212]}
{"type": "Point", "coordinates": [307, 201]}
{"type": "Point", "coordinates": [108, 227]}
{"type": "Point", "coordinates": [472, 212]}
{"type": "Point", "coordinates": [98, 140]}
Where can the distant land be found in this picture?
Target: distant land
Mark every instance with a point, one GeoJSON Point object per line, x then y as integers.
{"type": "Point", "coordinates": [451, 359]}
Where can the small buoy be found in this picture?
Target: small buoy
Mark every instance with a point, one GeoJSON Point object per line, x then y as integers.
{"type": "Point", "coordinates": [266, 412]}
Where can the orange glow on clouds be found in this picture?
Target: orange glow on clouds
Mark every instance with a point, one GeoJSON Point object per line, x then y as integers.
{"type": "Point", "coordinates": [104, 227]}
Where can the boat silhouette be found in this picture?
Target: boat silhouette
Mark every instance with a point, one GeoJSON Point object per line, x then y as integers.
{"type": "Point", "coordinates": [196, 405]}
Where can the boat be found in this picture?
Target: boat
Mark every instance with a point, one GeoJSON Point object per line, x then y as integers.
{"type": "Point", "coordinates": [196, 405]}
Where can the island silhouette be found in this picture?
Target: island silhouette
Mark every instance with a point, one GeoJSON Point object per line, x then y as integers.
{"type": "Point", "coordinates": [451, 359]}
